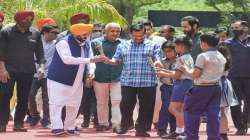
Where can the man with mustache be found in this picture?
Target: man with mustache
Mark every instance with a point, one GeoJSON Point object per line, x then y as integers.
{"type": "Point", "coordinates": [190, 27]}
{"type": "Point", "coordinates": [18, 45]}
{"type": "Point", "coordinates": [65, 77]}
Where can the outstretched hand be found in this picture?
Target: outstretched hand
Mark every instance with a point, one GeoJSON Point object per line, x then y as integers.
{"type": "Point", "coordinates": [98, 58]}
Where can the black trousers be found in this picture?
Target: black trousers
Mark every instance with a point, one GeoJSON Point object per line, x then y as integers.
{"type": "Point", "coordinates": [23, 83]}
{"type": "Point", "coordinates": [241, 88]}
{"type": "Point", "coordinates": [36, 84]}
{"type": "Point", "coordinates": [146, 97]}
{"type": "Point", "coordinates": [88, 105]}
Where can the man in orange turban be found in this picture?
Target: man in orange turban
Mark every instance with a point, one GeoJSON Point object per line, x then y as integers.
{"type": "Point", "coordinates": [45, 21]}
{"type": "Point", "coordinates": [49, 31]}
{"type": "Point", "coordinates": [65, 84]}
{"type": "Point", "coordinates": [75, 19]}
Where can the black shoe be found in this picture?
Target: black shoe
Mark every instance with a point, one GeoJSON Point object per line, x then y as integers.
{"type": "Point", "coordinates": [57, 132]}
{"type": "Point", "coordinates": [28, 119]}
{"type": "Point", "coordinates": [141, 134]}
{"type": "Point", "coordinates": [241, 132]}
{"type": "Point", "coordinates": [78, 129]}
{"type": "Point", "coordinates": [85, 125]}
{"type": "Point", "coordinates": [172, 135]}
{"type": "Point", "coordinates": [224, 136]}
{"type": "Point", "coordinates": [161, 133]}
{"type": "Point", "coordinates": [2, 129]}
{"type": "Point", "coordinates": [34, 121]}
{"type": "Point", "coordinates": [45, 124]}
{"type": "Point", "coordinates": [119, 130]}
{"type": "Point", "coordinates": [19, 128]}
{"type": "Point", "coordinates": [102, 128]}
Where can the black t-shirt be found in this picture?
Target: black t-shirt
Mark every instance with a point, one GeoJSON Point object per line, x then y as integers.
{"type": "Point", "coordinates": [20, 50]}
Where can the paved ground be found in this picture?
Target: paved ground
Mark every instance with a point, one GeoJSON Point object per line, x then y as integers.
{"type": "Point", "coordinates": [90, 134]}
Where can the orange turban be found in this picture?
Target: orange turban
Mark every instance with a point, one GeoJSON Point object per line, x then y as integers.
{"type": "Point", "coordinates": [20, 15]}
{"type": "Point", "coordinates": [79, 29]}
{"type": "Point", "coordinates": [45, 21]}
{"type": "Point", "coordinates": [80, 18]}
{"type": "Point", "coordinates": [1, 16]}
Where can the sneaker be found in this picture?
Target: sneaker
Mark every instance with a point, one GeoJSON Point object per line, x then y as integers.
{"type": "Point", "coordinates": [181, 137]}
{"type": "Point", "coordinates": [57, 132]}
{"type": "Point", "coordinates": [73, 133]}
{"type": "Point", "coordinates": [172, 135]}
{"type": "Point", "coordinates": [141, 134]}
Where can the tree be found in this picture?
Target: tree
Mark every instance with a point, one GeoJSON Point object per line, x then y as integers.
{"type": "Point", "coordinates": [226, 7]}
{"type": "Point", "coordinates": [99, 10]}
{"type": "Point", "coordinates": [235, 5]}
{"type": "Point", "coordinates": [129, 8]}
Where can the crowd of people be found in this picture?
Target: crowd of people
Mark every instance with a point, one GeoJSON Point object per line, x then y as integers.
{"type": "Point", "coordinates": [153, 80]}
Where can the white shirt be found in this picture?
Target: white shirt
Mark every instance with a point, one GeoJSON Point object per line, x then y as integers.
{"type": "Point", "coordinates": [61, 94]}
{"type": "Point", "coordinates": [186, 60]}
{"type": "Point", "coordinates": [212, 65]}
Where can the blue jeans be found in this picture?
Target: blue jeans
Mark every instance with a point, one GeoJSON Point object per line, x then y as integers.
{"type": "Point", "coordinates": [165, 117]}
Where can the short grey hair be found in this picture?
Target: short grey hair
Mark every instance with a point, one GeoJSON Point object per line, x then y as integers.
{"type": "Point", "coordinates": [112, 25]}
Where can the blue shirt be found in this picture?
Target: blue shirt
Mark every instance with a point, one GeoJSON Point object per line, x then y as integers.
{"type": "Point", "coordinates": [49, 50]}
{"type": "Point", "coordinates": [240, 52]}
{"type": "Point", "coordinates": [137, 72]}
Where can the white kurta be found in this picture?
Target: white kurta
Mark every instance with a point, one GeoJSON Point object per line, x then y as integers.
{"type": "Point", "coordinates": [65, 95]}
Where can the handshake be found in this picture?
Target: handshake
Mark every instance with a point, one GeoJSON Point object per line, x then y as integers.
{"type": "Point", "coordinates": [100, 58]}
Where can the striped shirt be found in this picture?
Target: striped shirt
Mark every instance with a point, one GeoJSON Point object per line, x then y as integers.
{"type": "Point", "coordinates": [137, 72]}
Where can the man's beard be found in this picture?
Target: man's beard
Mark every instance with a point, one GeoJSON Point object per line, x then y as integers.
{"type": "Point", "coordinates": [81, 41]}
{"type": "Point", "coordinates": [190, 33]}
{"type": "Point", "coordinates": [25, 25]}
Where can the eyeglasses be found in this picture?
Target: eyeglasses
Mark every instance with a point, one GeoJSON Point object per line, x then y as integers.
{"type": "Point", "coordinates": [94, 31]}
